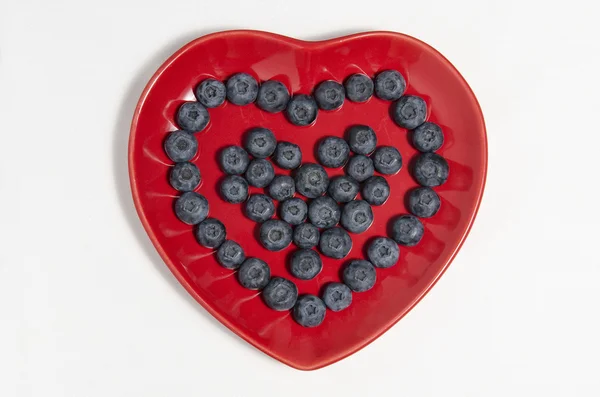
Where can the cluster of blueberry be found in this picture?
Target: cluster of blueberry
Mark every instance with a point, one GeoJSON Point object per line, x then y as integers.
{"type": "Point", "coordinates": [249, 166]}
{"type": "Point", "coordinates": [302, 223]}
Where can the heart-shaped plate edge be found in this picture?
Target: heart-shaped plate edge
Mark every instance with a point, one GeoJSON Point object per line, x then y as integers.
{"type": "Point", "coordinates": [307, 44]}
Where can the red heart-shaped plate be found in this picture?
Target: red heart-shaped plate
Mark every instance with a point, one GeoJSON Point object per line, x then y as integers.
{"type": "Point", "coordinates": [300, 65]}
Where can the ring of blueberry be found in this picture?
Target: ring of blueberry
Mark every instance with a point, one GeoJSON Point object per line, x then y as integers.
{"type": "Point", "coordinates": [332, 202]}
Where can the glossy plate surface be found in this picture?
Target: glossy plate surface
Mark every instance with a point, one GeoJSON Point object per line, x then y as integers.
{"type": "Point", "coordinates": [300, 66]}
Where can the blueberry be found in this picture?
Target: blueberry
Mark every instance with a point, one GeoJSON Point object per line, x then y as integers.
{"type": "Point", "coordinates": [282, 187]}
{"type": "Point", "coordinates": [362, 139]}
{"type": "Point", "coordinates": [280, 294]}
{"type": "Point", "coordinates": [343, 188]}
{"type": "Point", "coordinates": [254, 274]}
{"type": "Point", "coordinates": [428, 137]}
{"type": "Point", "coordinates": [376, 190]}
{"type": "Point", "coordinates": [301, 110]}
{"type": "Point", "coordinates": [275, 235]}
{"type": "Point", "coordinates": [311, 180]}
{"type": "Point", "coordinates": [423, 202]}
{"type": "Point", "coordinates": [288, 155]}
{"type": "Point", "coordinates": [387, 160]}
{"type": "Point", "coordinates": [329, 95]}
{"type": "Point", "coordinates": [242, 89]}
{"type": "Point", "coordinates": [192, 117]}
{"type": "Point", "coordinates": [305, 264]}
{"type": "Point", "coordinates": [259, 208]}
{"type": "Point", "coordinates": [309, 311]}
{"type": "Point", "coordinates": [383, 252]}
{"type": "Point", "coordinates": [230, 255]}
{"type": "Point", "coordinates": [260, 142]}
{"type": "Point", "coordinates": [337, 296]}
{"type": "Point", "coordinates": [409, 111]}
{"type": "Point", "coordinates": [430, 170]}
{"type": "Point", "coordinates": [191, 208]}
{"type": "Point", "coordinates": [359, 275]}
{"type": "Point", "coordinates": [360, 167]}
{"type": "Point", "coordinates": [210, 93]}
{"type": "Point", "coordinates": [234, 189]}
{"type": "Point", "coordinates": [357, 216]}
{"type": "Point", "coordinates": [333, 152]}
{"type": "Point", "coordinates": [407, 230]}
{"type": "Point", "coordinates": [389, 85]}
{"type": "Point", "coordinates": [259, 173]}
{"type": "Point", "coordinates": [306, 235]}
{"type": "Point", "coordinates": [185, 177]}
{"type": "Point", "coordinates": [234, 160]}
{"type": "Point", "coordinates": [323, 212]}
{"type": "Point", "coordinates": [181, 146]}
{"type": "Point", "coordinates": [273, 96]}
{"type": "Point", "coordinates": [335, 243]}
{"type": "Point", "coordinates": [293, 211]}
{"type": "Point", "coordinates": [359, 87]}
{"type": "Point", "coordinates": [211, 233]}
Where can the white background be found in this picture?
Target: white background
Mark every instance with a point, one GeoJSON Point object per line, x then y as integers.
{"type": "Point", "coordinates": [88, 309]}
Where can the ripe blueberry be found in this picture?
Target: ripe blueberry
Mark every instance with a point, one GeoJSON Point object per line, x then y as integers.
{"type": "Point", "coordinates": [323, 212]}
{"type": "Point", "coordinates": [234, 160]}
{"type": "Point", "coordinates": [275, 235]}
{"type": "Point", "coordinates": [430, 169]}
{"type": "Point", "coordinates": [333, 152]}
{"type": "Point", "coordinates": [428, 137]}
{"type": "Point", "coordinates": [293, 211]}
{"type": "Point", "coordinates": [309, 311]}
{"type": "Point", "coordinates": [329, 95]}
{"type": "Point", "coordinates": [259, 173]}
{"type": "Point", "coordinates": [242, 89]}
{"type": "Point", "coordinates": [360, 167]}
{"type": "Point", "coordinates": [185, 177]}
{"type": "Point", "coordinates": [359, 87]}
{"type": "Point", "coordinates": [389, 85]}
{"type": "Point", "coordinates": [301, 110]}
{"type": "Point", "coordinates": [359, 275]}
{"type": "Point", "coordinates": [343, 188]}
{"type": "Point", "coordinates": [192, 117]}
{"type": "Point", "coordinates": [282, 187]}
{"type": "Point", "coordinates": [280, 294]}
{"type": "Point", "coordinates": [383, 252]}
{"type": "Point", "coordinates": [306, 235]}
{"type": "Point", "coordinates": [211, 233]}
{"type": "Point", "coordinates": [335, 243]}
{"type": "Point", "coordinates": [260, 142]}
{"type": "Point", "coordinates": [387, 160]}
{"type": "Point", "coordinates": [230, 255]}
{"type": "Point", "coordinates": [191, 208]}
{"type": "Point", "coordinates": [337, 296]}
{"type": "Point", "coordinates": [362, 139]}
{"type": "Point", "coordinates": [254, 274]}
{"type": "Point", "coordinates": [423, 202]}
{"type": "Point", "coordinates": [357, 216]}
{"type": "Point", "coordinates": [288, 155]}
{"type": "Point", "coordinates": [259, 208]}
{"type": "Point", "coordinates": [305, 264]}
{"type": "Point", "coordinates": [210, 93]}
{"type": "Point", "coordinates": [409, 111]}
{"type": "Point", "coordinates": [311, 180]}
{"type": "Point", "coordinates": [376, 190]}
{"type": "Point", "coordinates": [273, 96]}
{"type": "Point", "coordinates": [234, 189]}
{"type": "Point", "coordinates": [181, 146]}
{"type": "Point", "coordinates": [407, 230]}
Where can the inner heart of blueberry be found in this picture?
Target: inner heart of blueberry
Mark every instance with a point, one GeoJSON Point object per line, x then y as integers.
{"type": "Point", "coordinates": [310, 202]}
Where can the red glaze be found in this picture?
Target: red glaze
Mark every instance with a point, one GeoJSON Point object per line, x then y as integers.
{"type": "Point", "coordinates": [300, 65]}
